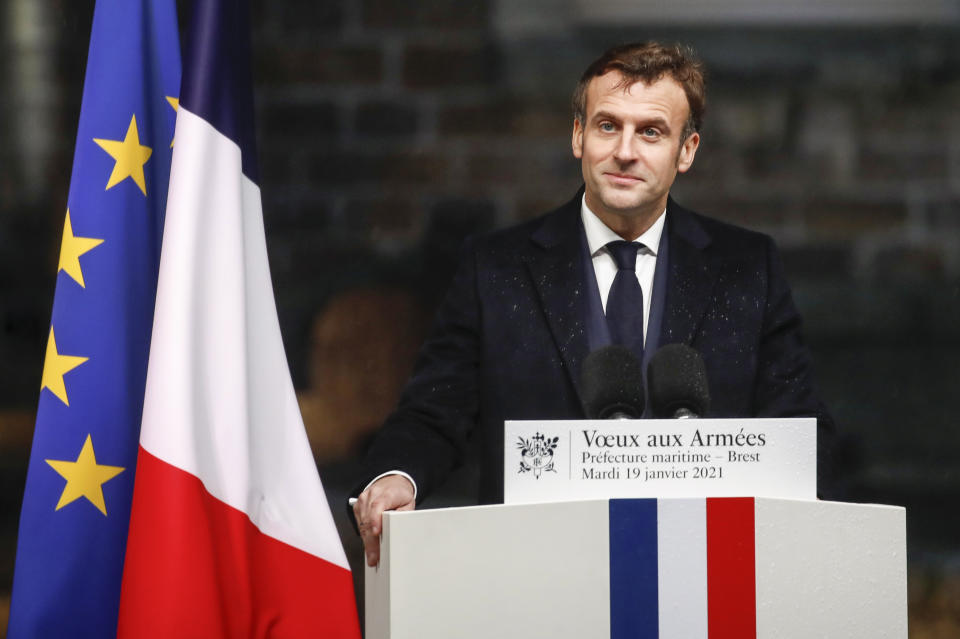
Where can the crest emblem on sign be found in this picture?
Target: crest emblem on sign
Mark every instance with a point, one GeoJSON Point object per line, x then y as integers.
{"type": "Point", "coordinates": [536, 454]}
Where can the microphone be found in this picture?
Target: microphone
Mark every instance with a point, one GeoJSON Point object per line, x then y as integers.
{"type": "Point", "coordinates": [677, 379]}
{"type": "Point", "coordinates": [611, 381]}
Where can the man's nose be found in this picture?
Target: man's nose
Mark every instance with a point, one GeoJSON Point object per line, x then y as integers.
{"type": "Point", "coordinates": [625, 151]}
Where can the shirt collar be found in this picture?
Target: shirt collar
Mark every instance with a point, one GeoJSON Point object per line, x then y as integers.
{"type": "Point", "coordinates": [599, 234]}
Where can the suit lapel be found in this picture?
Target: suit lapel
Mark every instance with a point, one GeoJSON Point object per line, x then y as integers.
{"type": "Point", "coordinates": [555, 264]}
{"type": "Point", "coordinates": [556, 268]}
{"type": "Point", "coordinates": [693, 272]}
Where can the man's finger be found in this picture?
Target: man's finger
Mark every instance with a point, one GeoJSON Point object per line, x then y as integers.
{"type": "Point", "coordinates": [371, 547]}
{"type": "Point", "coordinates": [369, 513]}
{"type": "Point", "coordinates": [371, 540]}
{"type": "Point", "coordinates": [374, 513]}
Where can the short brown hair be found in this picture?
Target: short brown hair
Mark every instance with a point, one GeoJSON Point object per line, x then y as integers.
{"type": "Point", "coordinates": [648, 62]}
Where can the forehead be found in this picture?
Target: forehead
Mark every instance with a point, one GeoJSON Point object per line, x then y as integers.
{"type": "Point", "coordinates": [662, 98]}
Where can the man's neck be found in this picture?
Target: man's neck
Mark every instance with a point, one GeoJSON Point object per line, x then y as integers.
{"type": "Point", "coordinates": [629, 226]}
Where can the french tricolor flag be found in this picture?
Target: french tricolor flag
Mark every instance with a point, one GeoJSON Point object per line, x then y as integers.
{"type": "Point", "coordinates": [230, 532]}
{"type": "Point", "coordinates": [682, 568]}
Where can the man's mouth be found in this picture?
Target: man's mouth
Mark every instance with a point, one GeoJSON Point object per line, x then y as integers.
{"type": "Point", "coordinates": [622, 178]}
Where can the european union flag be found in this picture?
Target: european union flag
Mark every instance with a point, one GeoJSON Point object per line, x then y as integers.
{"type": "Point", "coordinates": [76, 507]}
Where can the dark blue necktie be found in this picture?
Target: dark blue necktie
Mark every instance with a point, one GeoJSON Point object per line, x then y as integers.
{"type": "Point", "coordinates": [625, 300]}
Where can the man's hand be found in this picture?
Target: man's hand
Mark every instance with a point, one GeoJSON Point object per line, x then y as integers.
{"type": "Point", "coordinates": [393, 492]}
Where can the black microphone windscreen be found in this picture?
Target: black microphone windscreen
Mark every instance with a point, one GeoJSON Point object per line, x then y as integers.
{"type": "Point", "coordinates": [612, 384]}
{"type": "Point", "coordinates": [677, 381]}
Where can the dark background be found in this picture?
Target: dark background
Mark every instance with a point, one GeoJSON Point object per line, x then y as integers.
{"type": "Point", "coordinates": [388, 131]}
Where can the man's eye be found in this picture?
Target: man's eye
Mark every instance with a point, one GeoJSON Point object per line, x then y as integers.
{"type": "Point", "coordinates": [607, 127]}
{"type": "Point", "coordinates": [650, 132]}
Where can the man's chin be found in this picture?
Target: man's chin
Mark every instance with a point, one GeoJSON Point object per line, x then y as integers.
{"type": "Point", "coordinates": [625, 206]}
{"type": "Point", "coordinates": [632, 208]}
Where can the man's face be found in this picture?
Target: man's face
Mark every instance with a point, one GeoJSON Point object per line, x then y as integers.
{"type": "Point", "coordinates": [629, 145]}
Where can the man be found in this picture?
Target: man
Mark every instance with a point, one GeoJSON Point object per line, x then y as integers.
{"type": "Point", "coordinates": [620, 263]}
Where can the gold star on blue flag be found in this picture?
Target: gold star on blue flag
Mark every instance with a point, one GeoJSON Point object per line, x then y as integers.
{"type": "Point", "coordinates": [76, 506]}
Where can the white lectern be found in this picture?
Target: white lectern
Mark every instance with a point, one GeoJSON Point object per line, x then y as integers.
{"type": "Point", "coordinates": [722, 567]}
{"type": "Point", "coordinates": [677, 555]}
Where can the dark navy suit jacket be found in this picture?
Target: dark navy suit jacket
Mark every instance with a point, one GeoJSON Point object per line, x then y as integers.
{"type": "Point", "coordinates": [522, 313]}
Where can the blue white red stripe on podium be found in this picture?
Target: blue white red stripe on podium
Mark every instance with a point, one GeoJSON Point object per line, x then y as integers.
{"type": "Point", "coordinates": [682, 568]}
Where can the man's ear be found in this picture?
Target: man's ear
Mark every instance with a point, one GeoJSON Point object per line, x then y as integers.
{"type": "Point", "coordinates": [577, 139]}
{"type": "Point", "coordinates": [688, 150]}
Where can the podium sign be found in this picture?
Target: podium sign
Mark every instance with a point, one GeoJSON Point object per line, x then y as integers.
{"type": "Point", "coordinates": [595, 459]}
